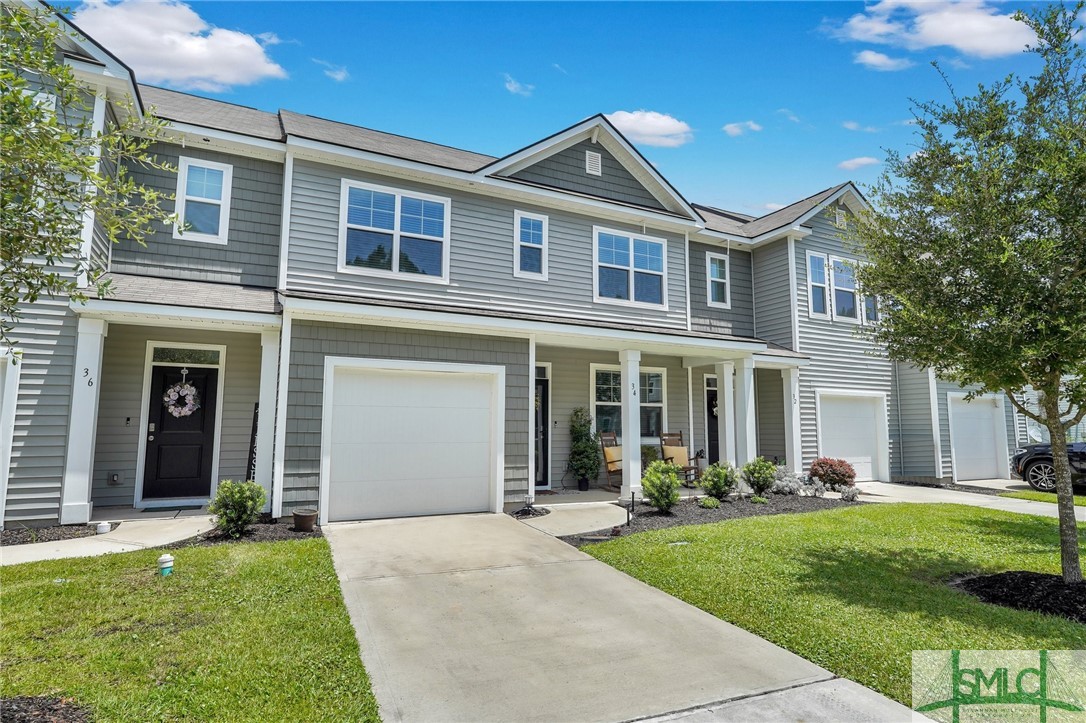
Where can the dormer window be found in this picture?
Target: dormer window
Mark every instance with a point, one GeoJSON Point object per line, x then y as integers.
{"type": "Point", "coordinates": [593, 163]}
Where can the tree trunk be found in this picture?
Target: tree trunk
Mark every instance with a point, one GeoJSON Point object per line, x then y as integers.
{"type": "Point", "coordinates": [1069, 558]}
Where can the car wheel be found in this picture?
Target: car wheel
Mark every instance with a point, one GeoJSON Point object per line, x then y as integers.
{"type": "Point", "coordinates": [1041, 476]}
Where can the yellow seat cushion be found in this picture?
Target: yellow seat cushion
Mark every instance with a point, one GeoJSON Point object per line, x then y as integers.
{"type": "Point", "coordinates": [677, 456]}
{"type": "Point", "coordinates": [613, 457]}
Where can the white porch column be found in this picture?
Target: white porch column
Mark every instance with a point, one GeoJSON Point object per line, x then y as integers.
{"type": "Point", "coordinates": [265, 423]}
{"type": "Point", "coordinates": [793, 449]}
{"type": "Point", "coordinates": [725, 413]}
{"type": "Point", "coordinates": [631, 422]}
{"type": "Point", "coordinates": [746, 430]}
{"type": "Point", "coordinates": [75, 502]}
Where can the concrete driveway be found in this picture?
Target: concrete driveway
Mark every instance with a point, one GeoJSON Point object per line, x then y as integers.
{"type": "Point", "coordinates": [483, 618]}
{"type": "Point", "coordinates": [886, 492]}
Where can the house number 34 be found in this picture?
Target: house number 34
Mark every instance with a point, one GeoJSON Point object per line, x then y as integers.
{"type": "Point", "coordinates": [88, 377]}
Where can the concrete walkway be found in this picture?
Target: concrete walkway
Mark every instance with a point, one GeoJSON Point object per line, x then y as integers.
{"type": "Point", "coordinates": [128, 536]}
{"type": "Point", "coordinates": [482, 618]}
{"type": "Point", "coordinates": [885, 492]}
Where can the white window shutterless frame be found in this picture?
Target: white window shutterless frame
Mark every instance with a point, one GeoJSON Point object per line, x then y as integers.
{"type": "Point", "coordinates": [203, 201]}
{"type": "Point", "coordinates": [629, 269]}
{"type": "Point", "coordinates": [530, 245]}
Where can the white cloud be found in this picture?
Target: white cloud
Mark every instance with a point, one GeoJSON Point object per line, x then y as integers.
{"type": "Point", "coordinates": [853, 163]}
{"type": "Point", "coordinates": [516, 87]}
{"type": "Point", "coordinates": [789, 115]}
{"type": "Point", "coordinates": [773, 206]}
{"type": "Point", "coordinates": [852, 125]}
{"type": "Point", "coordinates": [167, 42]}
{"type": "Point", "coordinates": [651, 128]}
{"type": "Point", "coordinates": [559, 68]}
{"type": "Point", "coordinates": [972, 27]}
{"type": "Point", "coordinates": [738, 129]}
{"type": "Point", "coordinates": [880, 61]}
{"type": "Point", "coordinates": [338, 73]}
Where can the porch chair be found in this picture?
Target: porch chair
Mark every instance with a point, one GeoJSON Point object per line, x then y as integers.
{"type": "Point", "coordinates": [673, 450]}
{"type": "Point", "coordinates": [612, 460]}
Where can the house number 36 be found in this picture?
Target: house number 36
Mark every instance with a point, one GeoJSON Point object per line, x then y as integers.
{"type": "Point", "coordinates": [88, 377]}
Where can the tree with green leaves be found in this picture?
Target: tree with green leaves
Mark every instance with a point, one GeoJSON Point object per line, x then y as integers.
{"type": "Point", "coordinates": [977, 243]}
{"type": "Point", "coordinates": [57, 169]}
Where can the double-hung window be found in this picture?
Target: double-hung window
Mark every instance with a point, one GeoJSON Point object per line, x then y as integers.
{"type": "Point", "coordinates": [387, 232]}
{"type": "Point", "coordinates": [846, 301]}
{"type": "Point", "coordinates": [818, 286]}
{"type": "Point", "coordinates": [530, 246]}
{"type": "Point", "coordinates": [607, 400]}
{"type": "Point", "coordinates": [719, 289]}
{"type": "Point", "coordinates": [832, 291]}
{"type": "Point", "coordinates": [203, 200]}
{"type": "Point", "coordinates": [629, 269]}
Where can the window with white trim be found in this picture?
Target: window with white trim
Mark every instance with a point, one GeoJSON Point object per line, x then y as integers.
{"type": "Point", "coordinates": [203, 200]}
{"type": "Point", "coordinates": [387, 232]}
{"type": "Point", "coordinates": [846, 300]}
{"type": "Point", "coordinates": [818, 286]}
{"type": "Point", "coordinates": [530, 245]}
{"type": "Point", "coordinates": [871, 310]}
{"type": "Point", "coordinates": [607, 400]}
{"type": "Point", "coordinates": [630, 269]}
{"type": "Point", "coordinates": [718, 290]}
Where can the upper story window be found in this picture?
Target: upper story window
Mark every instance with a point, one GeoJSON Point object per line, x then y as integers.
{"type": "Point", "coordinates": [871, 310]}
{"type": "Point", "coordinates": [607, 400]}
{"type": "Point", "coordinates": [832, 291]}
{"type": "Point", "coordinates": [530, 246]}
{"type": "Point", "coordinates": [719, 289]}
{"type": "Point", "coordinates": [386, 232]}
{"type": "Point", "coordinates": [629, 269]}
{"type": "Point", "coordinates": [818, 296]}
{"type": "Point", "coordinates": [845, 299]}
{"type": "Point", "coordinates": [203, 200]}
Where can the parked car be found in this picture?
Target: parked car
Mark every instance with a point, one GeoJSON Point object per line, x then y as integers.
{"type": "Point", "coordinates": [1033, 463]}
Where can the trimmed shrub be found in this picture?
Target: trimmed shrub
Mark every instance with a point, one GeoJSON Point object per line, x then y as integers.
{"type": "Point", "coordinates": [660, 485]}
{"type": "Point", "coordinates": [786, 482]}
{"type": "Point", "coordinates": [719, 479]}
{"type": "Point", "coordinates": [236, 506]}
{"type": "Point", "coordinates": [836, 474]}
{"type": "Point", "coordinates": [849, 494]}
{"type": "Point", "coordinates": [758, 500]}
{"type": "Point", "coordinates": [759, 474]}
{"type": "Point", "coordinates": [709, 503]}
{"type": "Point", "coordinates": [584, 450]}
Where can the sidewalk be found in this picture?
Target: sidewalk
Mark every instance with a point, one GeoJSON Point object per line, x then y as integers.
{"type": "Point", "coordinates": [885, 492]}
{"type": "Point", "coordinates": [128, 536]}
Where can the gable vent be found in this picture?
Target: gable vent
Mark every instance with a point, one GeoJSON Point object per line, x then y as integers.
{"type": "Point", "coordinates": [593, 164]}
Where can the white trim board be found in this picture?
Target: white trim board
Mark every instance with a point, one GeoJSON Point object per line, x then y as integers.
{"type": "Point", "coordinates": [550, 420]}
{"type": "Point", "coordinates": [9, 402]}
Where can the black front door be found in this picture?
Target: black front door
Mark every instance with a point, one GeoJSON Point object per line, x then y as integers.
{"type": "Point", "coordinates": [180, 432]}
{"type": "Point", "coordinates": [542, 431]}
{"type": "Point", "coordinates": [711, 426]}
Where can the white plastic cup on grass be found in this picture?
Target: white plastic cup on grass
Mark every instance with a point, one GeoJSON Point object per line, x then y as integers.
{"type": "Point", "coordinates": [165, 565]}
{"type": "Point", "coordinates": [103, 528]}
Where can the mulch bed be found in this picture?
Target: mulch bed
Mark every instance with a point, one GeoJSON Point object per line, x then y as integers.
{"type": "Point", "coordinates": [265, 530]}
{"type": "Point", "coordinates": [29, 535]}
{"type": "Point", "coordinates": [688, 512]}
{"type": "Point", "coordinates": [1033, 591]}
{"type": "Point", "coordinates": [40, 709]}
{"type": "Point", "coordinates": [526, 512]}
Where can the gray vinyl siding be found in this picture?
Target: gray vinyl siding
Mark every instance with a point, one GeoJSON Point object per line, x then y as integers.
{"type": "Point", "coordinates": [99, 257]}
{"type": "Point", "coordinates": [251, 255]}
{"type": "Point", "coordinates": [312, 341]}
{"type": "Point", "coordinates": [123, 400]}
{"type": "Point", "coordinates": [566, 170]}
{"type": "Point", "coordinates": [772, 302]}
{"type": "Point", "coordinates": [739, 319]}
{"type": "Point", "coordinates": [916, 438]}
{"type": "Point", "coordinates": [769, 413]}
{"type": "Point", "coordinates": [46, 333]}
{"type": "Point", "coordinates": [481, 260]}
{"type": "Point", "coordinates": [839, 358]}
{"type": "Point", "coordinates": [572, 386]}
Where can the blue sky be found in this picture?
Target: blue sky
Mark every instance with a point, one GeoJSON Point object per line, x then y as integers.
{"type": "Point", "coordinates": [747, 106]}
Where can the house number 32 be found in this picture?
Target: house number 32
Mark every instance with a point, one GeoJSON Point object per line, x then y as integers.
{"type": "Point", "coordinates": [88, 377]}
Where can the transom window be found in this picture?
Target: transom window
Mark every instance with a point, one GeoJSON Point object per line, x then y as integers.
{"type": "Point", "coordinates": [607, 400]}
{"type": "Point", "coordinates": [386, 232]}
{"type": "Point", "coordinates": [629, 269]}
{"type": "Point", "coordinates": [203, 200]}
{"type": "Point", "coordinates": [718, 292]}
{"type": "Point", "coordinates": [530, 245]}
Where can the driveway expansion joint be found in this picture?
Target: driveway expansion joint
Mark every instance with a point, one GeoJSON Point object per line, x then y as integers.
{"type": "Point", "coordinates": [734, 699]}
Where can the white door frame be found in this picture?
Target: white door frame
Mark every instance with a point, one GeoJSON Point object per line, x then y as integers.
{"type": "Point", "coordinates": [9, 401]}
{"type": "Point", "coordinates": [141, 450]}
{"type": "Point", "coordinates": [497, 415]}
{"type": "Point", "coordinates": [705, 412]}
{"type": "Point", "coordinates": [1003, 459]}
{"type": "Point", "coordinates": [882, 431]}
{"type": "Point", "coordinates": [550, 420]}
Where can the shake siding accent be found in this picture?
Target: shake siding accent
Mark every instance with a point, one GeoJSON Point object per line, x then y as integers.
{"type": "Point", "coordinates": [915, 436]}
{"type": "Point", "coordinates": [769, 413]}
{"type": "Point", "coordinates": [46, 332]}
{"type": "Point", "coordinates": [481, 262]}
{"type": "Point", "coordinates": [772, 304]}
{"type": "Point", "coordinates": [312, 341]}
{"type": "Point", "coordinates": [117, 445]}
{"type": "Point", "coordinates": [839, 359]}
{"type": "Point", "coordinates": [739, 319]}
{"type": "Point", "coordinates": [566, 170]}
{"type": "Point", "coordinates": [251, 254]}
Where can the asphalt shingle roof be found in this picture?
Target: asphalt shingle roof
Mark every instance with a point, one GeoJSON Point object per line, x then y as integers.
{"type": "Point", "coordinates": [197, 111]}
{"type": "Point", "coordinates": [199, 294]}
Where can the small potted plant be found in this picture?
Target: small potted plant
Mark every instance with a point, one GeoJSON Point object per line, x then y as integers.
{"type": "Point", "coordinates": [584, 451]}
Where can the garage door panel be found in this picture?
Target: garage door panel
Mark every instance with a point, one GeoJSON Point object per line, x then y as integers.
{"type": "Point", "coordinates": [974, 434]}
{"type": "Point", "coordinates": [356, 424]}
{"type": "Point", "coordinates": [408, 498]}
{"type": "Point", "coordinates": [388, 389]}
{"type": "Point", "coordinates": [849, 431]}
{"type": "Point", "coordinates": [394, 462]}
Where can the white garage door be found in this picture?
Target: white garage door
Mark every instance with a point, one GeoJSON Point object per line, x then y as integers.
{"type": "Point", "coordinates": [848, 428]}
{"type": "Point", "coordinates": [406, 443]}
{"type": "Point", "coordinates": [974, 433]}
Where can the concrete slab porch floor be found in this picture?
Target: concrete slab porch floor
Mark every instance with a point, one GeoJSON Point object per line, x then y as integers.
{"type": "Point", "coordinates": [482, 618]}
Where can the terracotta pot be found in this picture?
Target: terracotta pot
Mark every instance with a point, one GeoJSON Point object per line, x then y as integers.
{"type": "Point", "coordinates": [304, 519]}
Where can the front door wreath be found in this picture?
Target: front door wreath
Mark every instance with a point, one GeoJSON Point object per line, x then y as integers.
{"type": "Point", "coordinates": [181, 399]}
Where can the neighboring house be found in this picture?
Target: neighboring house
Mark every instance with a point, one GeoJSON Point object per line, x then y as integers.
{"type": "Point", "coordinates": [416, 323]}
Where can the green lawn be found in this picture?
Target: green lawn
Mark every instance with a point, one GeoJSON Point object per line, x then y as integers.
{"type": "Point", "coordinates": [857, 590]}
{"type": "Point", "coordinates": [1080, 500]}
{"type": "Point", "coordinates": [243, 632]}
